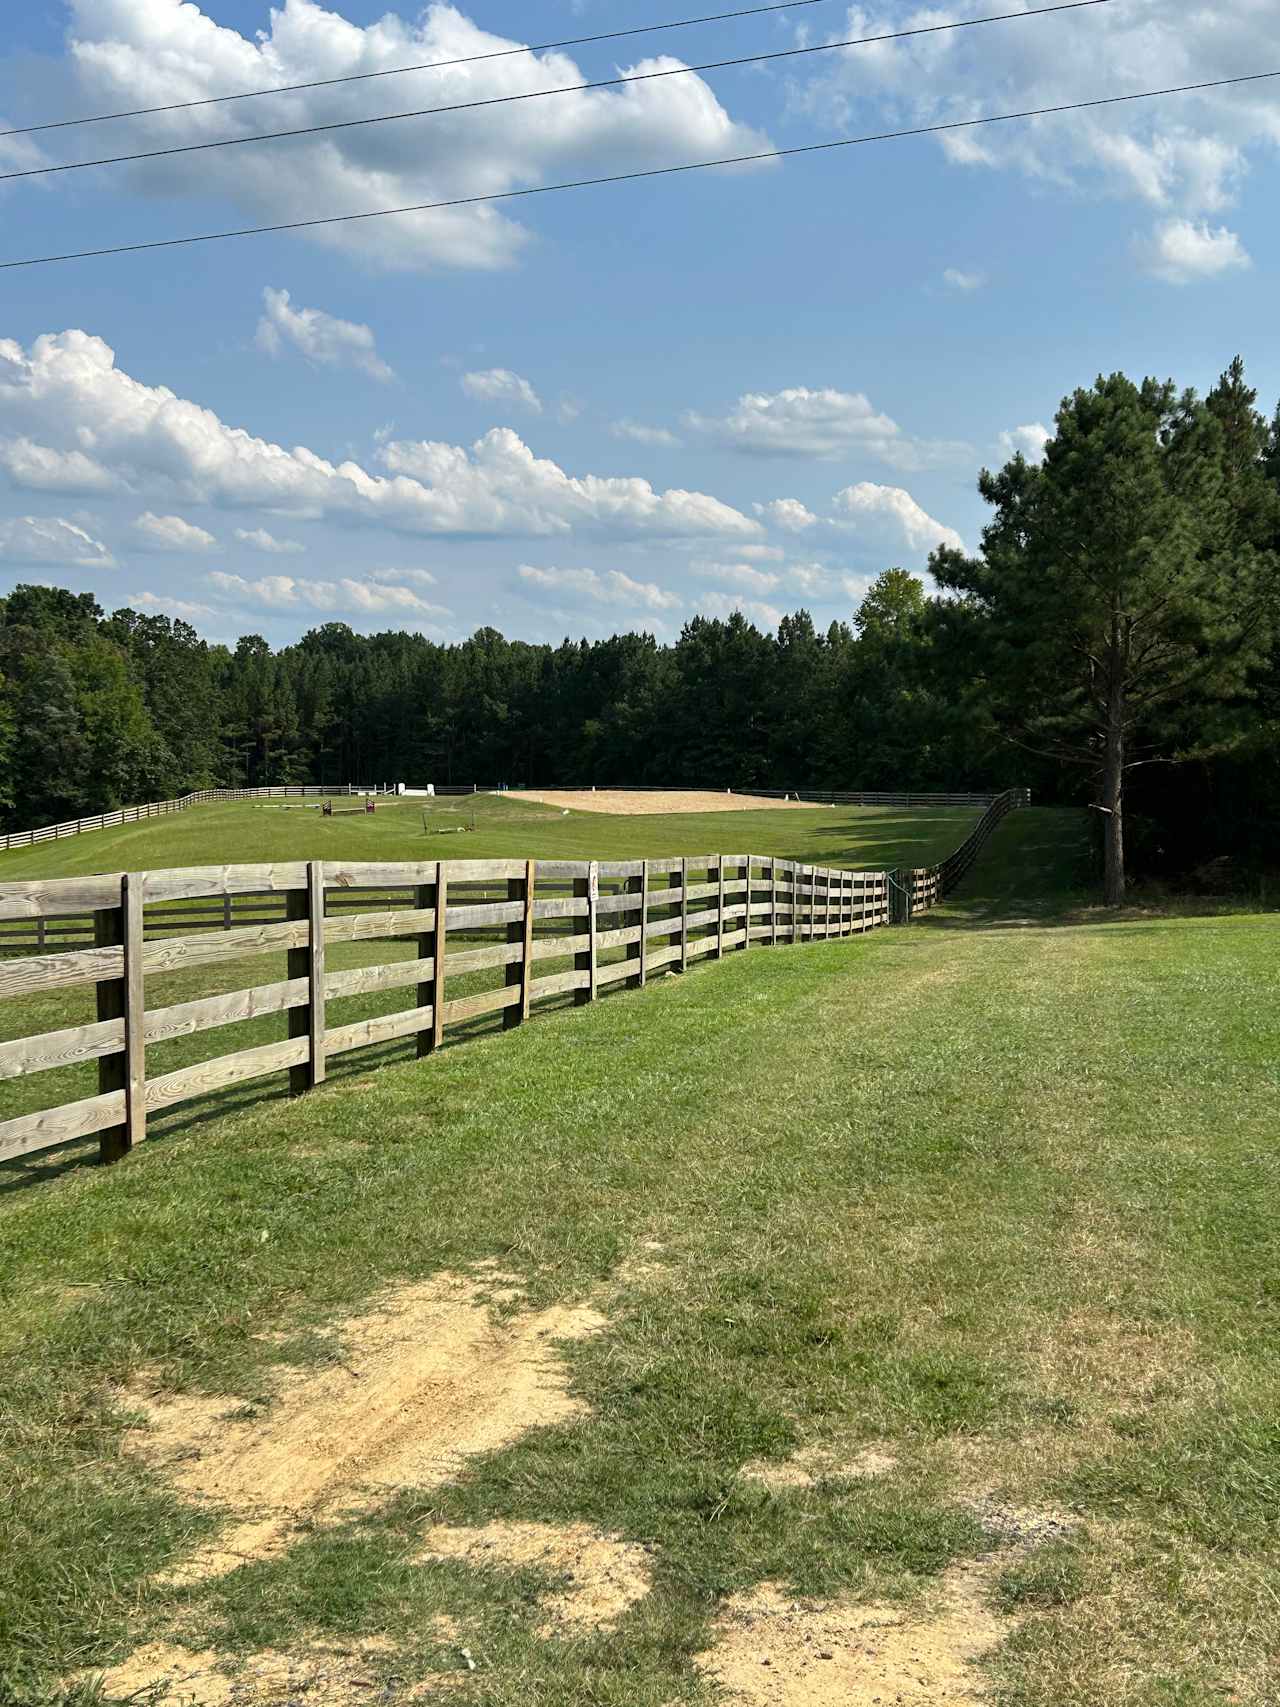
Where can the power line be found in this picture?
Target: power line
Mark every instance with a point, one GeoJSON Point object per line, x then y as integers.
{"type": "Point", "coordinates": [649, 172]}
{"type": "Point", "coordinates": [402, 70]}
{"type": "Point", "coordinates": [540, 94]}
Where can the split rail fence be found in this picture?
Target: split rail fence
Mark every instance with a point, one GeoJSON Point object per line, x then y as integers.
{"type": "Point", "coordinates": [548, 930]}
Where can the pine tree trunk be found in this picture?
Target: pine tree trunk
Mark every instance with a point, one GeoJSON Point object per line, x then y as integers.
{"type": "Point", "coordinates": [1113, 796]}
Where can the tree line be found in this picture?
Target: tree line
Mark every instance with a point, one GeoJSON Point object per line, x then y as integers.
{"type": "Point", "coordinates": [1114, 639]}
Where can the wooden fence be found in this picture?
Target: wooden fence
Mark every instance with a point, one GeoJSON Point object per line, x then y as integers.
{"type": "Point", "coordinates": [161, 808]}
{"type": "Point", "coordinates": [615, 921]}
{"type": "Point", "coordinates": [923, 887]}
{"type": "Point", "coordinates": [608, 924]}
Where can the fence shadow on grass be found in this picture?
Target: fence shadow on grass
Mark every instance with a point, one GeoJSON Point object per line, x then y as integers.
{"type": "Point", "coordinates": [45, 1166]}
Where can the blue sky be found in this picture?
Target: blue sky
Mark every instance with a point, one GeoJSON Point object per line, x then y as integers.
{"type": "Point", "coordinates": [616, 407]}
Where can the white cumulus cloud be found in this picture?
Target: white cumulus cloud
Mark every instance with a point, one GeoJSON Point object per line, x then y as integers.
{"type": "Point", "coordinates": [188, 609]}
{"type": "Point", "coordinates": [959, 280]}
{"type": "Point", "coordinates": [611, 588]}
{"type": "Point", "coordinates": [291, 592]}
{"type": "Point", "coordinates": [50, 541]}
{"type": "Point", "coordinates": [892, 512]}
{"type": "Point", "coordinates": [759, 611]}
{"type": "Point", "coordinates": [740, 575]}
{"type": "Point", "coordinates": [787, 513]}
{"type": "Point", "coordinates": [171, 533]}
{"type": "Point", "coordinates": [500, 385]}
{"type": "Point", "coordinates": [1185, 156]}
{"type": "Point", "coordinates": [139, 53]}
{"type": "Point", "coordinates": [1182, 250]}
{"type": "Point", "coordinates": [322, 338]}
{"type": "Point", "coordinates": [39, 468]}
{"type": "Point", "coordinates": [637, 433]}
{"type": "Point", "coordinates": [800, 422]}
{"type": "Point", "coordinates": [67, 386]}
{"type": "Point", "coordinates": [1030, 439]}
{"type": "Point", "coordinates": [258, 539]}
{"type": "Point", "coordinates": [423, 577]}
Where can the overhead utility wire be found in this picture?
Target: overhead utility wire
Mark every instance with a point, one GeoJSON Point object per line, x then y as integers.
{"type": "Point", "coordinates": [541, 94]}
{"type": "Point", "coordinates": [648, 172]}
{"type": "Point", "coordinates": [427, 65]}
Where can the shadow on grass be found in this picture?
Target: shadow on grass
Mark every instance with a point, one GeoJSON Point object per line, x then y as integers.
{"type": "Point", "coordinates": [61, 1161]}
{"type": "Point", "coordinates": [986, 913]}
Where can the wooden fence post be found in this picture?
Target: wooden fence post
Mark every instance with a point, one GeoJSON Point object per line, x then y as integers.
{"type": "Point", "coordinates": [108, 932]}
{"type": "Point", "coordinates": [132, 897]}
{"type": "Point", "coordinates": [521, 930]}
{"type": "Point", "coordinates": [588, 888]}
{"type": "Point", "coordinates": [439, 947]}
{"type": "Point", "coordinates": [639, 886]}
{"type": "Point", "coordinates": [773, 902]}
{"type": "Point", "coordinates": [684, 914]}
{"type": "Point", "coordinates": [720, 909]}
{"type": "Point", "coordinates": [315, 970]}
{"type": "Point", "coordinates": [301, 903]}
{"type": "Point", "coordinates": [424, 896]}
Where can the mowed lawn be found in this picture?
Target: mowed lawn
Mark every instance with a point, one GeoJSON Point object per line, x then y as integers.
{"type": "Point", "coordinates": [487, 826]}
{"type": "Point", "coordinates": [993, 1195]}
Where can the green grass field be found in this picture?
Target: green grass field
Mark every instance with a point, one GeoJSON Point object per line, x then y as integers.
{"type": "Point", "coordinates": [868, 836]}
{"type": "Point", "coordinates": [993, 1195]}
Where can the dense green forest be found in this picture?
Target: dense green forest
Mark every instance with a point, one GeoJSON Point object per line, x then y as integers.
{"type": "Point", "coordinates": [1116, 636]}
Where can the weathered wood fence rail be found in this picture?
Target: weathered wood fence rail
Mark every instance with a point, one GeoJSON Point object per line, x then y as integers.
{"type": "Point", "coordinates": [607, 923]}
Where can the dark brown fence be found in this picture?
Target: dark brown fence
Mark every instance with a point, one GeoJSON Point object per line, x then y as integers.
{"type": "Point", "coordinates": [914, 889]}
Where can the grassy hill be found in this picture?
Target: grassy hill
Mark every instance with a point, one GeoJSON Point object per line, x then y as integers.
{"type": "Point", "coordinates": [936, 1274]}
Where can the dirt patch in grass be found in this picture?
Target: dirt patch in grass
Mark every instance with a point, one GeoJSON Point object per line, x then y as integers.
{"type": "Point", "coordinates": [179, 1674]}
{"type": "Point", "coordinates": [603, 1575]}
{"type": "Point", "coordinates": [772, 1650]}
{"type": "Point", "coordinates": [816, 1464]}
{"type": "Point", "coordinates": [623, 804]}
{"type": "Point", "coordinates": [324, 1674]}
{"type": "Point", "coordinates": [424, 1381]}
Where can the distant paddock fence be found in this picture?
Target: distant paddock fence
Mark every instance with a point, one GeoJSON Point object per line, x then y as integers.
{"type": "Point", "coordinates": [161, 808]}
{"type": "Point", "coordinates": [549, 930]}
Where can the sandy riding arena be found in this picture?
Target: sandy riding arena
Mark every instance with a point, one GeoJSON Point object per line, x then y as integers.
{"type": "Point", "coordinates": [625, 804]}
